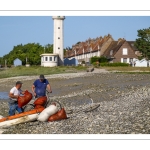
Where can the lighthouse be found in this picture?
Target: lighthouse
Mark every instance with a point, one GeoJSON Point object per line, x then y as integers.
{"type": "Point", "coordinates": [58, 43]}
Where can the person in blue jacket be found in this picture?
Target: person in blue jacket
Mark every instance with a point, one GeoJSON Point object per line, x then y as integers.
{"type": "Point", "coordinates": [39, 87]}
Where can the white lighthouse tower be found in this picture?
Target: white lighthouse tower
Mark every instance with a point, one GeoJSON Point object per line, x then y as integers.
{"type": "Point", "coordinates": [58, 44]}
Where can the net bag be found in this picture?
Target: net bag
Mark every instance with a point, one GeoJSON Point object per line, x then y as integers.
{"type": "Point", "coordinates": [41, 101]}
{"type": "Point", "coordinates": [61, 114]}
{"type": "Point", "coordinates": [38, 106]}
{"type": "Point", "coordinates": [23, 100]}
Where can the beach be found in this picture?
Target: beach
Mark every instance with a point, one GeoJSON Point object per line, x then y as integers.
{"type": "Point", "coordinates": [124, 103]}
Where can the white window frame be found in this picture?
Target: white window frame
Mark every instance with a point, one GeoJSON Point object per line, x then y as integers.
{"type": "Point", "coordinates": [124, 51]}
{"type": "Point", "coordinates": [46, 58]}
{"type": "Point", "coordinates": [126, 60]}
{"type": "Point", "coordinates": [111, 52]}
{"type": "Point", "coordinates": [50, 58]}
{"type": "Point", "coordinates": [55, 58]}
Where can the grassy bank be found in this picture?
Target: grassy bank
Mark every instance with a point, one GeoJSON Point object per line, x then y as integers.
{"type": "Point", "coordinates": [36, 70]}
{"type": "Point", "coordinates": [127, 69]}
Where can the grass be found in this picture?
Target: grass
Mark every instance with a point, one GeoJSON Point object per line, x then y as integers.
{"type": "Point", "coordinates": [134, 72]}
{"type": "Point", "coordinates": [128, 69]}
{"type": "Point", "coordinates": [37, 70]}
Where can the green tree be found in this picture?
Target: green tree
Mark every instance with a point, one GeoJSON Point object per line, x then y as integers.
{"type": "Point", "coordinates": [48, 48]}
{"type": "Point", "coordinates": [31, 51]}
{"type": "Point", "coordinates": [143, 43]}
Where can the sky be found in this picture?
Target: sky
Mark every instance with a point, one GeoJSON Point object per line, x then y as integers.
{"type": "Point", "coordinates": [15, 30]}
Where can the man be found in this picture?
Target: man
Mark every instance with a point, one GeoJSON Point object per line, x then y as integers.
{"type": "Point", "coordinates": [15, 92]}
{"type": "Point", "coordinates": [39, 87]}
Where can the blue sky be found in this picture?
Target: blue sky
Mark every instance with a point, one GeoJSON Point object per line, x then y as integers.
{"type": "Point", "coordinates": [39, 29]}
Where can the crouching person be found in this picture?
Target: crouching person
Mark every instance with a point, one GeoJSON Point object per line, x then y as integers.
{"type": "Point", "coordinates": [13, 99]}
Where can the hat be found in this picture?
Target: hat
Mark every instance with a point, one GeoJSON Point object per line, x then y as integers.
{"type": "Point", "coordinates": [19, 82]}
{"type": "Point", "coordinates": [42, 76]}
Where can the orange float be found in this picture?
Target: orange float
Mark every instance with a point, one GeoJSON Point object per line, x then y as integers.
{"type": "Point", "coordinates": [34, 111]}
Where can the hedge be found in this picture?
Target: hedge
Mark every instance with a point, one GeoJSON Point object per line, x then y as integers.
{"type": "Point", "coordinates": [114, 64]}
{"type": "Point", "coordinates": [100, 59]}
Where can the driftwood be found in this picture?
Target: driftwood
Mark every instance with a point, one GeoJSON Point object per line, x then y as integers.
{"type": "Point", "coordinates": [90, 69]}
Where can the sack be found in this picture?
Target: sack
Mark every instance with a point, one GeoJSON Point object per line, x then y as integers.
{"type": "Point", "coordinates": [23, 100]}
{"type": "Point", "coordinates": [61, 114]}
{"type": "Point", "coordinates": [38, 106]}
{"type": "Point", "coordinates": [41, 101]}
{"type": "Point", "coordinates": [1, 117]}
{"type": "Point", "coordinates": [47, 112]}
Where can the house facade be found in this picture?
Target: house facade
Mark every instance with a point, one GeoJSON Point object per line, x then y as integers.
{"type": "Point", "coordinates": [49, 60]}
{"type": "Point", "coordinates": [17, 62]}
{"type": "Point", "coordinates": [116, 51]}
{"type": "Point", "coordinates": [83, 51]}
{"type": "Point", "coordinates": [121, 51]}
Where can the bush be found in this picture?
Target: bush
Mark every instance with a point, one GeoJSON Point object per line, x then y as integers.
{"type": "Point", "coordinates": [83, 62]}
{"type": "Point", "coordinates": [95, 64]}
{"type": "Point", "coordinates": [103, 59]}
{"type": "Point", "coordinates": [114, 64]}
{"type": "Point", "coordinates": [99, 59]}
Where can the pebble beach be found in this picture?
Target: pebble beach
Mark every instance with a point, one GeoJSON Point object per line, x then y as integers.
{"type": "Point", "coordinates": [124, 104]}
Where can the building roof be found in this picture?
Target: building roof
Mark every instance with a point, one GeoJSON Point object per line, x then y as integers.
{"type": "Point", "coordinates": [88, 46]}
{"type": "Point", "coordinates": [115, 46]}
{"type": "Point", "coordinates": [131, 43]}
{"type": "Point", "coordinates": [49, 54]}
{"type": "Point", "coordinates": [17, 59]}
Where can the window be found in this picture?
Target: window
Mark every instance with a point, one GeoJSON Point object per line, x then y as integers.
{"type": "Point", "coordinates": [58, 27]}
{"type": "Point", "coordinates": [124, 60]}
{"type": "Point", "coordinates": [46, 59]}
{"type": "Point", "coordinates": [111, 52]}
{"type": "Point", "coordinates": [125, 51]}
{"type": "Point", "coordinates": [58, 37]}
{"type": "Point", "coordinates": [131, 59]}
{"type": "Point", "coordinates": [50, 58]}
{"type": "Point", "coordinates": [55, 58]}
{"type": "Point", "coordinates": [58, 47]}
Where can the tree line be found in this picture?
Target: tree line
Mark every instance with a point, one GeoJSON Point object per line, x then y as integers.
{"type": "Point", "coordinates": [31, 51]}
